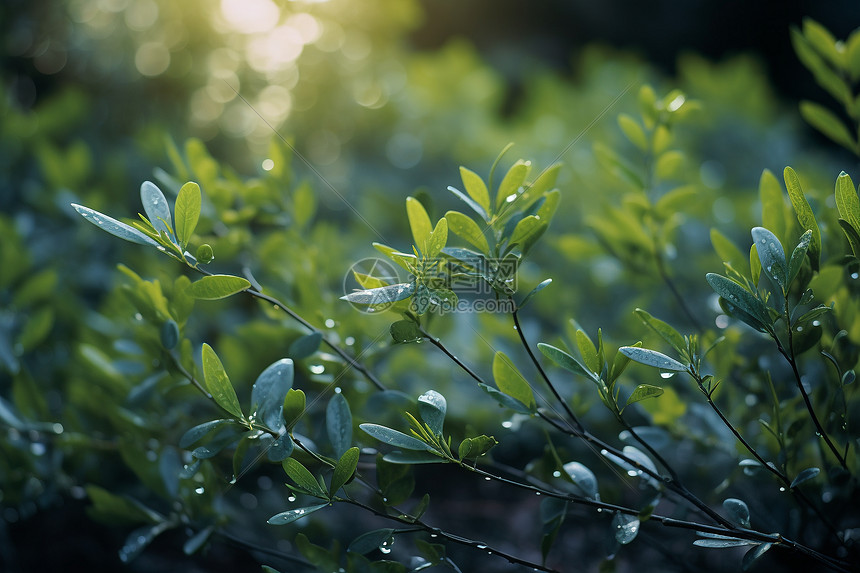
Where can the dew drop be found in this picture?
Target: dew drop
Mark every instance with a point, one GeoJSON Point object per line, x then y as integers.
{"type": "Point", "coordinates": [349, 340]}
{"type": "Point", "coordinates": [799, 329]}
{"type": "Point", "coordinates": [199, 491]}
{"type": "Point", "coordinates": [537, 493]}
{"type": "Point", "coordinates": [291, 499]}
{"type": "Point", "coordinates": [329, 323]}
{"type": "Point", "coordinates": [781, 488]}
{"type": "Point", "coordinates": [666, 375]}
{"type": "Point", "coordinates": [317, 368]}
{"type": "Point", "coordinates": [507, 424]}
{"type": "Point", "coordinates": [487, 479]}
{"type": "Point", "coordinates": [481, 546]}
{"type": "Point", "coordinates": [816, 323]}
{"type": "Point", "coordinates": [855, 276]}
{"type": "Point", "coordinates": [556, 474]}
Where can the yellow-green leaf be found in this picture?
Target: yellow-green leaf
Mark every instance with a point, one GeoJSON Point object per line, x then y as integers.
{"type": "Point", "coordinates": [476, 188]}
{"type": "Point", "coordinates": [510, 381]}
{"type": "Point", "coordinates": [827, 123]}
{"type": "Point", "coordinates": [187, 212]}
{"type": "Point", "coordinates": [218, 383]}
{"type": "Point", "coordinates": [633, 131]}
{"type": "Point", "coordinates": [846, 200]}
{"type": "Point", "coordinates": [419, 222]}
{"type": "Point", "coordinates": [805, 216]}
{"type": "Point", "coordinates": [466, 228]}
{"type": "Point", "coordinates": [213, 287]}
{"type": "Point", "coordinates": [772, 204]}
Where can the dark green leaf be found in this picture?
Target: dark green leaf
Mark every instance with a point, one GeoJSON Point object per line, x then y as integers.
{"type": "Point", "coordinates": [432, 406]}
{"type": "Point", "coordinates": [197, 432]}
{"type": "Point", "coordinates": [338, 422]}
{"type": "Point", "coordinates": [214, 287]}
{"type": "Point", "coordinates": [853, 236]}
{"type": "Point", "coordinates": [804, 476]}
{"type": "Point", "coordinates": [772, 256]}
{"type": "Point", "coordinates": [269, 391]}
{"type": "Point", "coordinates": [737, 511]}
{"type": "Point", "coordinates": [753, 554]}
{"type": "Point", "coordinates": [196, 541]}
{"type": "Point", "coordinates": [370, 541]}
{"type": "Point", "coordinates": [583, 479]}
{"type": "Point", "coordinates": [411, 457]}
{"type": "Point", "coordinates": [218, 383]}
{"type": "Point", "coordinates": [305, 346]}
{"type": "Point", "coordinates": [187, 211]}
{"type": "Point", "coordinates": [405, 331]}
{"type": "Point", "coordinates": [343, 470]}
{"type": "Point", "coordinates": [652, 358]}
{"type": "Point", "coordinates": [205, 254]}
{"type": "Point", "coordinates": [114, 509]}
{"type": "Point", "coordinates": [114, 227]}
{"type": "Point", "coordinates": [723, 542]}
{"type": "Point", "coordinates": [738, 296]}
{"type": "Point", "coordinates": [394, 438]}
{"type": "Point", "coordinates": [292, 515]}
{"type": "Point", "coordinates": [473, 448]}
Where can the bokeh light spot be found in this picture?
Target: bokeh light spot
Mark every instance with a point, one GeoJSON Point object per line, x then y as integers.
{"type": "Point", "coordinates": [250, 16]}
{"type": "Point", "coordinates": [152, 59]}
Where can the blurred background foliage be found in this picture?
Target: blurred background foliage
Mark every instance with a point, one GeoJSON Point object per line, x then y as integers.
{"type": "Point", "coordinates": [383, 98]}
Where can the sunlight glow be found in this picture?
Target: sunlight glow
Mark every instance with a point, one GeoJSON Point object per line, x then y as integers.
{"type": "Point", "coordinates": [250, 16]}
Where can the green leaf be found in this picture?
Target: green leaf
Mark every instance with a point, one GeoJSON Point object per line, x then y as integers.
{"type": "Point", "coordinates": [738, 297]}
{"type": "Point", "coordinates": [823, 41]}
{"type": "Point", "coordinates": [156, 207]}
{"type": "Point", "coordinates": [476, 188]}
{"type": "Point", "coordinates": [543, 284]}
{"type": "Point", "coordinates": [751, 556]}
{"type": "Point", "coordinates": [470, 202]}
{"type": "Point", "coordinates": [772, 204]}
{"type": "Point", "coordinates": [303, 478]}
{"type": "Point", "coordinates": [114, 509]}
{"type": "Point", "coordinates": [827, 123]}
{"type": "Point", "coordinates": [219, 384]}
{"type": "Point", "coordinates": [723, 542]}
{"type": "Point", "coordinates": [294, 407]}
{"type": "Point", "coordinates": [643, 392]}
{"type": "Point", "coordinates": [305, 346]}
{"type": "Point", "coordinates": [737, 511]}
{"type": "Point", "coordinates": [214, 287]}
{"type": "Point", "coordinates": [565, 360]}
{"type": "Point", "coordinates": [524, 230]}
{"type": "Point", "coordinates": [338, 421]}
{"type": "Point", "coordinates": [853, 236]}
{"type": "Point", "coordinates": [633, 131]}
{"type": "Point", "coordinates": [343, 470]}
{"type": "Point", "coordinates": [852, 54]}
{"type": "Point", "coordinates": [205, 254]}
{"type": "Point", "coordinates": [292, 515]}
{"type": "Point", "coordinates": [505, 400]}
{"type": "Point", "coordinates": [772, 256]}
{"type": "Point", "coordinates": [846, 200]}
{"type": "Point", "coordinates": [187, 211]}
{"type": "Point", "coordinates": [474, 448]}
{"type": "Point", "coordinates": [510, 381]}
{"type": "Point", "coordinates": [588, 352]}
{"type": "Point", "coordinates": [728, 252]}
{"type": "Point", "coordinates": [432, 406]}
{"type": "Point", "coordinates": [805, 216]}
{"type": "Point", "coordinates": [652, 358]}
{"type": "Point", "coordinates": [666, 331]}
{"type": "Point", "coordinates": [804, 476]}
{"type": "Point", "coordinates": [370, 541]}
{"type": "Point", "coordinates": [438, 239]}
{"type": "Point", "coordinates": [582, 478]}
{"type": "Point", "coordinates": [394, 438]}
{"type": "Point", "coordinates": [405, 331]}
{"type": "Point", "coordinates": [419, 222]}
{"type": "Point", "coordinates": [512, 183]}
{"type": "Point", "coordinates": [269, 391]}
{"type": "Point", "coordinates": [466, 228]}
{"type": "Point", "coordinates": [197, 432]}
{"type": "Point", "coordinates": [550, 203]}
{"type": "Point", "coordinates": [669, 164]}
{"type": "Point", "coordinates": [798, 256]}
{"type": "Point", "coordinates": [114, 227]}
{"type": "Point", "coordinates": [198, 540]}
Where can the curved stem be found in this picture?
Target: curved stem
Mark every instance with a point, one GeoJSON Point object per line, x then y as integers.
{"type": "Point", "coordinates": [584, 434]}
{"type": "Point", "coordinates": [543, 374]}
{"type": "Point", "coordinates": [298, 318]}
{"type": "Point", "coordinates": [792, 360]}
{"type": "Point", "coordinates": [419, 525]}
